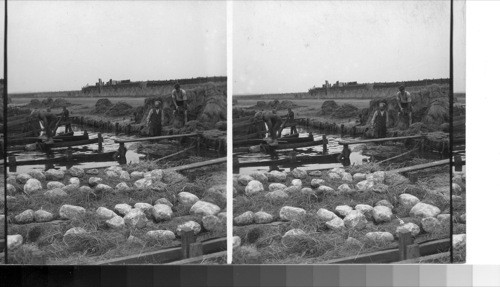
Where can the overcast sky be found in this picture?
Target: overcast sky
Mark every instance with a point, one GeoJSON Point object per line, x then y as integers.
{"type": "Point", "coordinates": [287, 46]}
{"type": "Point", "coordinates": [63, 45]}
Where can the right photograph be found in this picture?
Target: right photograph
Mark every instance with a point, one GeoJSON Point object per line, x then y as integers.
{"type": "Point", "coordinates": [341, 133]}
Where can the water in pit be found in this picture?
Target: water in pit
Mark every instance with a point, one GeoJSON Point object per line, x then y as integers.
{"type": "Point", "coordinates": [108, 146]}
{"type": "Point", "coordinates": [333, 148]}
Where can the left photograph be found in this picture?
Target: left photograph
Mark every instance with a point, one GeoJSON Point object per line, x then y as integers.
{"type": "Point", "coordinates": [116, 132]}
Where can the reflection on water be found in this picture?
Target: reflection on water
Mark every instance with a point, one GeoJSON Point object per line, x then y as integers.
{"type": "Point", "coordinates": [333, 148]}
{"type": "Point", "coordinates": [108, 146]}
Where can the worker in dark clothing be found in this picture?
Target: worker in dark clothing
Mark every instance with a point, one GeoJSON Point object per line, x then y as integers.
{"type": "Point", "coordinates": [65, 120]}
{"type": "Point", "coordinates": [48, 121]}
{"type": "Point", "coordinates": [273, 122]}
{"type": "Point", "coordinates": [404, 103]}
{"type": "Point", "coordinates": [154, 120]}
{"type": "Point", "coordinates": [290, 119]}
{"type": "Point", "coordinates": [179, 98]}
{"type": "Point", "coordinates": [380, 121]}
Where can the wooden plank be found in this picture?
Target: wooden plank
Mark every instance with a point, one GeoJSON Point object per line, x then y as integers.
{"type": "Point", "coordinates": [165, 255]}
{"type": "Point", "coordinates": [199, 259]}
{"type": "Point", "coordinates": [404, 240]}
{"type": "Point", "coordinates": [392, 255]}
{"type": "Point", "coordinates": [343, 142]}
{"type": "Point", "coordinates": [421, 166]}
{"type": "Point", "coordinates": [109, 156]}
{"type": "Point", "coordinates": [155, 138]}
{"type": "Point", "coordinates": [426, 258]}
{"type": "Point", "coordinates": [299, 145]}
{"type": "Point", "coordinates": [187, 237]}
{"type": "Point", "coordinates": [198, 164]}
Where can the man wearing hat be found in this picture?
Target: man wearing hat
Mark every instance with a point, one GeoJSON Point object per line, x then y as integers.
{"type": "Point", "coordinates": [404, 103]}
{"type": "Point", "coordinates": [154, 120]}
{"type": "Point", "coordinates": [180, 101]}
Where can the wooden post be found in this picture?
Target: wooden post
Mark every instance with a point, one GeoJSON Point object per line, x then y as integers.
{"type": "Point", "coordinates": [99, 142]}
{"type": "Point", "coordinates": [85, 133]}
{"type": "Point", "coordinates": [195, 249]}
{"type": "Point", "coordinates": [187, 237]}
{"type": "Point", "coordinates": [412, 251]}
{"type": "Point", "coordinates": [122, 151]}
{"type": "Point", "coordinates": [12, 163]}
{"type": "Point", "coordinates": [404, 240]}
{"type": "Point", "coordinates": [458, 163]}
{"type": "Point", "coordinates": [129, 127]}
{"type": "Point", "coordinates": [341, 130]}
{"type": "Point", "coordinates": [325, 145]}
{"type": "Point", "coordinates": [117, 128]}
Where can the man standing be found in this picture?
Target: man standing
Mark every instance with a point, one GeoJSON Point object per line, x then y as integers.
{"type": "Point", "coordinates": [48, 121]}
{"type": "Point", "coordinates": [380, 121]}
{"type": "Point", "coordinates": [180, 101]}
{"type": "Point", "coordinates": [154, 120]}
{"type": "Point", "coordinates": [404, 104]}
{"type": "Point", "coordinates": [65, 120]}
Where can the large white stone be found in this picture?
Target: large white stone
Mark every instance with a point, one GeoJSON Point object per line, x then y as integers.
{"type": "Point", "coordinates": [355, 219]}
{"type": "Point", "coordinates": [297, 182]}
{"type": "Point", "coordinates": [76, 171]}
{"type": "Point", "coordinates": [423, 210]}
{"type": "Point", "coordinates": [335, 224]}
{"type": "Point", "coordinates": [408, 227]}
{"type": "Point", "coordinates": [276, 186]}
{"type": "Point", "coordinates": [38, 174]}
{"type": "Point", "coordinates": [124, 175]}
{"type": "Point", "coordinates": [299, 173]}
{"type": "Point", "coordinates": [43, 216]}
{"type": "Point", "coordinates": [325, 214]}
{"type": "Point", "coordinates": [188, 226]}
{"type": "Point", "coordinates": [344, 188]}
{"type": "Point", "coordinates": [343, 210]}
{"type": "Point", "coordinates": [276, 176]}
{"type": "Point", "coordinates": [116, 222]}
{"type": "Point", "coordinates": [32, 185]}
{"type": "Point", "coordinates": [122, 187]}
{"type": "Point", "coordinates": [143, 183]}
{"type": "Point", "coordinates": [291, 235]}
{"type": "Point", "coordinates": [253, 187]}
{"type": "Point", "coordinates": [93, 181]}
{"type": "Point", "coordinates": [204, 208]}
{"type": "Point", "coordinates": [334, 176]}
{"type": "Point", "coordinates": [366, 210]}
{"type": "Point", "coordinates": [74, 181]}
{"type": "Point", "coordinates": [145, 207]}
{"type": "Point", "coordinates": [408, 200]}
{"type": "Point", "coordinates": [103, 188]}
{"type": "Point", "coordinates": [382, 214]}
{"type": "Point", "coordinates": [365, 185]}
{"type": "Point", "coordinates": [187, 198]}
{"type": "Point", "coordinates": [135, 218]}
{"type": "Point", "coordinates": [245, 218]}
{"type": "Point", "coordinates": [104, 213]}
{"type": "Point", "coordinates": [26, 216]}
{"type": "Point", "coordinates": [325, 189]}
{"type": "Point", "coordinates": [162, 212]}
{"type": "Point", "coordinates": [162, 235]}
{"type": "Point", "coordinates": [14, 241]}
{"type": "Point", "coordinates": [135, 175]}
{"type": "Point", "coordinates": [458, 240]}
{"type": "Point", "coordinates": [347, 177]}
{"type": "Point", "coordinates": [55, 193]}
{"type": "Point", "coordinates": [71, 211]}
{"type": "Point", "coordinates": [54, 184]}
{"type": "Point", "coordinates": [262, 217]}
{"type": "Point", "coordinates": [74, 231]}
{"type": "Point", "coordinates": [123, 208]}
{"type": "Point", "coordinates": [292, 213]}
{"type": "Point", "coordinates": [11, 189]}
{"type": "Point", "coordinates": [380, 237]}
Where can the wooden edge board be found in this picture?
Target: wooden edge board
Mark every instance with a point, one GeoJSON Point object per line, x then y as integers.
{"type": "Point", "coordinates": [155, 138]}
{"type": "Point", "coordinates": [343, 142]}
{"type": "Point", "coordinates": [165, 255]}
{"type": "Point", "coordinates": [392, 255]}
{"type": "Point", "coordinates": [199, 259]}
{"type": "Point", "coordinates": [428, 257]}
